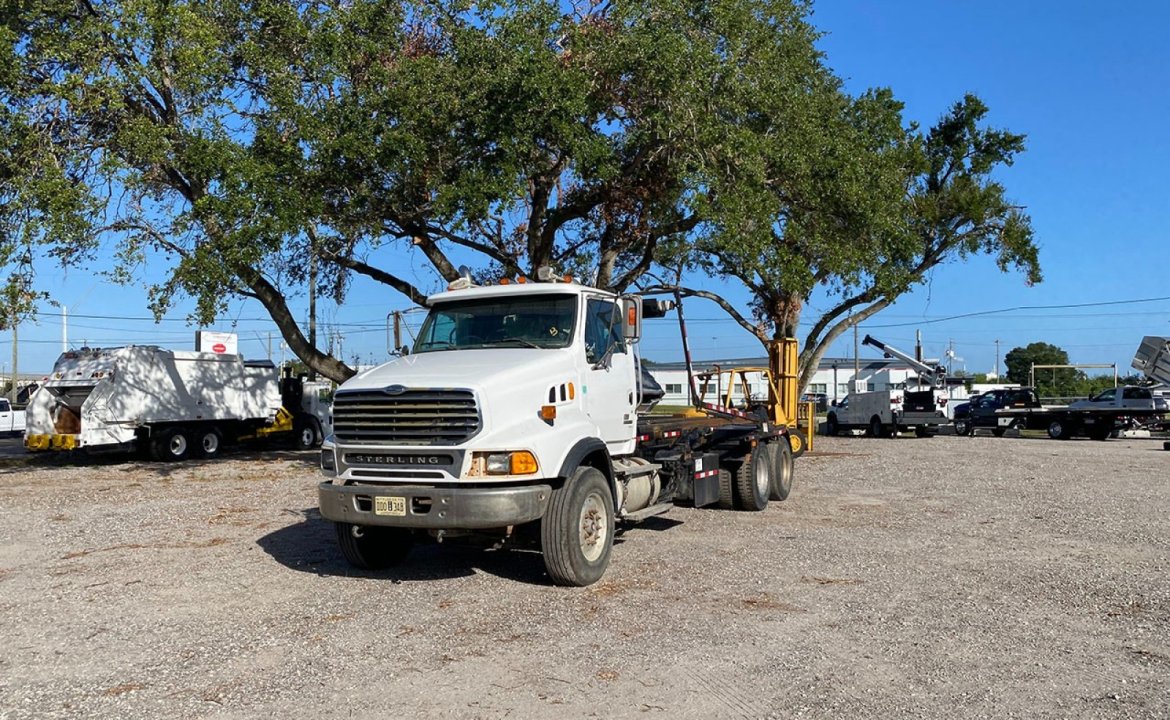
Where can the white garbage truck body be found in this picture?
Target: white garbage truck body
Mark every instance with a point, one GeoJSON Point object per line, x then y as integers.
{"type": "Point", "coordinates": [172, 402]}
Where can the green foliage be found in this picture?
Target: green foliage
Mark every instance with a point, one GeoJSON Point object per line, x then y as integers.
{"type": "Point", "coordinates": [1061, 382]}
{"type": "Point", "coordinates": [230, 142]}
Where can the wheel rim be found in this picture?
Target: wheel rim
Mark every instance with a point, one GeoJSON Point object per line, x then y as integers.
{"type": "Point", "coordinates": [1056, 429]}
{"type": "Point", "coordinates": [307, 437]}
{"type": "Point", "coordinates": [784, 474]}
{"type": "Point", "coordinates": [795, 442]}
{"type": "Point", "coordinates": [760, 470]}
{"type": "Point", "coordinates": [178, 444]}
{"type": "Point", "coordinates": [594, 527]}
{"type": "Point", "coordinates": [210, 442]}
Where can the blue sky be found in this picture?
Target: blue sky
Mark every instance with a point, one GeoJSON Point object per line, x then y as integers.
{"type": "Point", "coordinates": [1086, 82]}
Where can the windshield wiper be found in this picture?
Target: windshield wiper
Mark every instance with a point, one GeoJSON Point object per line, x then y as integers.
{"type": "Point", "coordinates": [522, 341]}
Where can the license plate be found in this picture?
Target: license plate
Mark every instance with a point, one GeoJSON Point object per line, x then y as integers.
{"type": "Point", "coordinates": [390, 506]}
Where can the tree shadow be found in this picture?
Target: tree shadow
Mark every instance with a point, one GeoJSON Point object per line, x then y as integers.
{"type": "Point", "coordinates": [310, 546]}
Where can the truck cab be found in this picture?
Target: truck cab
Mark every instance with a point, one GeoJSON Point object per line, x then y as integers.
{"type": "Point", "coordinates": [507, 391]}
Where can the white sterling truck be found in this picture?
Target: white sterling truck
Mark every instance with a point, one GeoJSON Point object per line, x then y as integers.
{"type": "Point", "coordinates": [524, 406]}
{"type": "Point", "coordinates": [171, 403]}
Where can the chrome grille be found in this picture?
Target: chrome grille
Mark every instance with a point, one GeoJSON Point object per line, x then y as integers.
{"type": "Point", "coordinates": [413, 417]}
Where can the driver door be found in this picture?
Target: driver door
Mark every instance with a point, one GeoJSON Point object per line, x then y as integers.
{"type": "Point", "coordinates": [608, 383]}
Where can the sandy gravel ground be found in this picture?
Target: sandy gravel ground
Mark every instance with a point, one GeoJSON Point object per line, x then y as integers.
{"type": "Point", "coordinates": [941, 577]}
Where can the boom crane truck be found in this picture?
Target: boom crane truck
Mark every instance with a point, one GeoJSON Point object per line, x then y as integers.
{"type": "Point", "coordinates": [524, 407]}
{"type": "Point", "coordinates": [882, 413]}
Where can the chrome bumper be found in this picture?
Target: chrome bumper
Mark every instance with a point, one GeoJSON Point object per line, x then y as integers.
{"type": "Point", "coordinates": [450, 508]}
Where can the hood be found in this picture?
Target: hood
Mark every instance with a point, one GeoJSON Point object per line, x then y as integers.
{"type": "Point", "coordinates": [459, 368]}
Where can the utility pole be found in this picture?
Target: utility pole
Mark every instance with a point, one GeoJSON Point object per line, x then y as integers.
{"type": "Point", "coordinates": [64, 329]}
{"type": "Point", "coordinates": [997, 360]}
{"type": "Point", "coordinates": [856, 359]}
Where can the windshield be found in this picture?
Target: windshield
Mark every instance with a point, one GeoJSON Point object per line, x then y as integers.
{"type": "Point", "coordinates": [533, 321]}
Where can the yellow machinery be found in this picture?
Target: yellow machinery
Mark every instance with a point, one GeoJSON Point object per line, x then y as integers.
{"type": "Point", "coordinates": [782, 407]}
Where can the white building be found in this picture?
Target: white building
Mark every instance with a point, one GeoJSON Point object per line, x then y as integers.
{"type": "Point", "coordinates": [834, 379]}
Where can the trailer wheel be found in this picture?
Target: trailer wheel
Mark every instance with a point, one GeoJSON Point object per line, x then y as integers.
{"type": "Point", "coordinates": [170, 445]}
{"type": "Point", "coordinates": [373, 547]}
{"type": "Point", "coordinates": [1059, 430]}
{"type": "Point", "coordinates": [753, 481]}
{"type": "Point", "coordinates": [726, 489]}
{"type": "Point", "coordinates": [576, 532]}
{"type": "Point", "coordinates": [781, 455]}
{"type": "Point", "coordinates": [306, 431]}
{"type": "Point", "coordinates": [797, 441]}
{"type": "Point", "coordinates": [208, 442]}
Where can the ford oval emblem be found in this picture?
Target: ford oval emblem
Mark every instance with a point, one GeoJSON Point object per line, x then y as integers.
{"type": "Point", "coordinates": [394, 389]}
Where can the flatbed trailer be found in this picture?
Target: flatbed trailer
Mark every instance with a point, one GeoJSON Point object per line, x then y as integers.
{"type": "Point", "coordinates": [1063, 423]}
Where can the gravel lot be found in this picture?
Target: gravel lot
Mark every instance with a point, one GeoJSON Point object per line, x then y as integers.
{"type": "Point", "coordinates": [941, 577]}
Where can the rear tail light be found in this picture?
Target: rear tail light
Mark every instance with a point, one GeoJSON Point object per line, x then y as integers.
{"type": "Point", "coordinates": [896, 400]}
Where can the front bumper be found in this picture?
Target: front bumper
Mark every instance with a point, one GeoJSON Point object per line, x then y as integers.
{"type": "Point", "coordinates": [447, 508]}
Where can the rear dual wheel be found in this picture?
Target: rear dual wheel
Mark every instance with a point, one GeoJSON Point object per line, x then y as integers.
{"type": "Point", "coordinates": [781, 459]}
{"type": "Point", "coordinates": [170, 445]}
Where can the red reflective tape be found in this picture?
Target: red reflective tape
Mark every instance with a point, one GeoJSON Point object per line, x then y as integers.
{"type": "Point", "coordinates": [706, 473]}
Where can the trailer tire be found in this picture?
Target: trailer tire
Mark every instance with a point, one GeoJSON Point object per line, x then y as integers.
{"type": "Point", "coordinates": [781, 456]}
{"type": "Point", "coordinates": [797, 441]}
{"type": "Point", "coordinates": [726, 489]}
{"type": "Point", "coordinates": [1059, 430]}
{"type": "Point", "coordinates": [306, 432]}
{"type": "Point", "coordinates": [576, 532]}
{"type": "Point", "coordinates": [371, 547]}
{"type": "Point", "coordinates": [208, 442]}
{"type": "Point", "coordinates": [753, 481]}
{"type": "Point", "coordinates": [170, 445]}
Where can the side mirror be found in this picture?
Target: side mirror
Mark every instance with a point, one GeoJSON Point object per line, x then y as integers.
{"type": "Point", "coordinates": [631, 318]}
{"type": "Point", "coordinates": [834, 403]}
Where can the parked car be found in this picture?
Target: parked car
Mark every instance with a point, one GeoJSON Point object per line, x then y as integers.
{"type": "Point", "coordinates": [1126, 397]}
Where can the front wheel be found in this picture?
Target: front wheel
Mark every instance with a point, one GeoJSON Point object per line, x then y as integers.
{"type": "Point", "coordinates": [576, 532]}
{"type": "Point", "coordinates": [1059, 430]}
{"type": "Point", "coordinates": [371, 547]}
{"type": "Point", "coordinates": [797, 441]}
{"type": "Point", "coordinates": [962, 427]}
{"type": "Point", "coordinates": [306, 432]}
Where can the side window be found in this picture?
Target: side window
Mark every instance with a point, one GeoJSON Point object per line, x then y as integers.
{"type": "Point", "coordinates": [1108, 395]}
{"type": "Point", "coordinates": [601, 330]}
{"type": "Point", "coordinates": [1134, 393]}
{"type": "Point", "coordinates": [4, 406]}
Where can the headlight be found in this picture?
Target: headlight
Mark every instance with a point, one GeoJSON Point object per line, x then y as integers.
{"type": "Point", "coordinates": [520, 462]}
{"type": "Point", "coordinates": [328, 462]}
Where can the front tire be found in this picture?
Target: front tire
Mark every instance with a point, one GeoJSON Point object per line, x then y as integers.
{"type": "Point", "coordinates": [1059, 430]}
{"type": "Point", "coordinates": [797, 441]}
{"type": "Point", "coordinates": [576, 532]}
{"type": "Point", "coordinates": [782, 470]}
{"type": "Point", "coordinates": [371, 547]}
{"type": "Point", "coordinates": [753, 481]}
{"type": "Point", "coordinates": [306, 432]}
{"type": "Point", "coordinates": [963, 427]}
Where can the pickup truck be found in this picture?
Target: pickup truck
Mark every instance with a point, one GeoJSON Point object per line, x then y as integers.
{"type": "Point", "coordinates": [1098, 417]}
{"type": "Point", "coordinates": [981, 411]}
{"type": "Point", "coordinates": [11, 421]}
